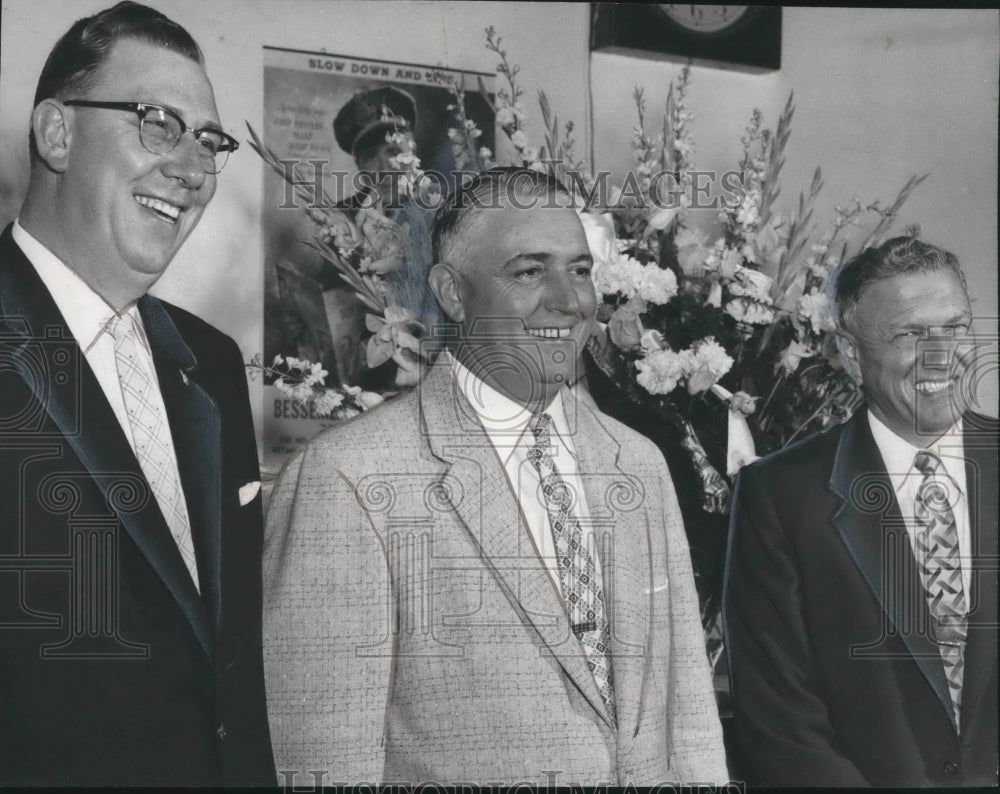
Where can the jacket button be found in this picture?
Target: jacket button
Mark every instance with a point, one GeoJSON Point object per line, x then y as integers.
{"type": "Point", "coordinates": [221, 731]}
{"type": "Point", "coordinates": [950, 768]}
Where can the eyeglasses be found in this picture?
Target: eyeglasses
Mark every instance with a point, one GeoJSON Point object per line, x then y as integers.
{"type": "Point", "coordinates": [160, 130]}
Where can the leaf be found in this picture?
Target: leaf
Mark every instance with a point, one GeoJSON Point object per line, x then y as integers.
{"type": "Point", "coordinates": [776, 160]}
{"type": "Point", "coordinates": [889, 215]}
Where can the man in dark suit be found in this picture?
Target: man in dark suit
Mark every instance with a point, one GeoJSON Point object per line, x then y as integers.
{"type": "Point", "coordinates": [130, 535]}
{"type": "Point", "coordinates": [861, 592]}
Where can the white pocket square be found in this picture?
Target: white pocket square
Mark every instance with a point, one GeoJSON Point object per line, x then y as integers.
{"type": "Point", "coordinates": [248, 492]}
{"type": "Point", "coordinates": [658, 588]}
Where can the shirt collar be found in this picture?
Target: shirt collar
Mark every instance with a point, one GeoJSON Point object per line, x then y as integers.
{"type": "Point", "coordinates": [898, 453]}
{"type": "Point", "coordinates": [86, 313]}
{"type": "Point", "coordinates": [504, 420]}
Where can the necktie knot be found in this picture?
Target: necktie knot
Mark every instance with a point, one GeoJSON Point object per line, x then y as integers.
{"type": "Point", "coordinates": [926, 462]}
{"type": "Point", "coordinates": [121, 327]}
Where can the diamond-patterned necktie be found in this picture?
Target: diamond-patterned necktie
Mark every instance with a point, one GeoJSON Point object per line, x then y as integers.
{"type": "Point", "coordinates": [583, 598]}
{"type": "Point", "coordinates": [149, 436]}
{"type": "Point", "coordinates": [941, 570]}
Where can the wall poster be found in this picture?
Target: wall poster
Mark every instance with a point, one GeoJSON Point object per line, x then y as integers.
{"type": "Point", "coordinates": [324, 112]}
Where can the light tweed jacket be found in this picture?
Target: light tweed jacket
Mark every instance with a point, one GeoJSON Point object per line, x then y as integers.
{"type": "Point", "coordinates": [411, 633]}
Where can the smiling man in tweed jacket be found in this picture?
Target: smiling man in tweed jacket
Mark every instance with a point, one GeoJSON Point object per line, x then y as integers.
{"type": "Point", "coordinates": [487, 580]}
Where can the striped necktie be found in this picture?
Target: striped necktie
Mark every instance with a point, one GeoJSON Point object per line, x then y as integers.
{"type": "Point", "coordinates": [938, 559]}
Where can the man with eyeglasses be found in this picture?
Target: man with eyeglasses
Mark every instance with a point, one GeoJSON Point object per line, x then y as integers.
{"type": "Point", "coordinates": [130, 534]}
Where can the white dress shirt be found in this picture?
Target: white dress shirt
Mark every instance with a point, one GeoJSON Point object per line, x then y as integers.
{"type": "Point", "coordinates": [88, 317]}
{"type": "Point", "coordinates": [506, 425]}
{"type": "Point", "coordinates": [898, 454]}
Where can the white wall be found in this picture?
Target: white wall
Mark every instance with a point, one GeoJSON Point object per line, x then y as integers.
{"type": "Point", "coordinates": [880, 94]}
{"type": "Point", "coordinates": [219, 273]}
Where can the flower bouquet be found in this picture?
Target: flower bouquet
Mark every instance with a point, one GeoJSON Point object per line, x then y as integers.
{"type": "Point", "coordinates": [716, 340]}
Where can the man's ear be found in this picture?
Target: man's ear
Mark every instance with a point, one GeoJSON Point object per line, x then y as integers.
{"type": "Point", "coordinates": [446, 285]}
{"type": "Point", "coordinates": [50, 123]}
{"type": "Point", "coordinates": [847, 346]}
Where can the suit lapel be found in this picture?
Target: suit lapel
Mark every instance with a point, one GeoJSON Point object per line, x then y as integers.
{"type": "Point", "coordinates": [484, 501]}
{"type": "Point", "coordinates": [619, 512]}
{"type": "Point", "coordinates": [980, 443]}
{"type": "Point", "coordinates": [83, 415]}
{"type": "Point", "coordinates": [871, 525]}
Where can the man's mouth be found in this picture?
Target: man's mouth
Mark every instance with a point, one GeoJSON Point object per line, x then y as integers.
{"type": "Point", "coordinates": [935, 386]}
{"type": "Point", "coordinates": [549, 333]}
{"type": "Point", "coordinates": [168, 212]}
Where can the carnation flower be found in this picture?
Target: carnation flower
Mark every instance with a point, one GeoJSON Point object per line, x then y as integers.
{"type": "Point", "coordinates": [660, 372]}
{"type": "Point", "coordinates": [657, 285]}
{"type": "Point", "coordinates": [747, 310]}
{"type": "Point", "coordinates": [628, 277]}
{"type": "Point", "coordinates": [621, 275]}
{"type": "Point", "coordinates": [708, 361]}
{"type": "Point", "coordinates": [711, 355]}
{"type": "Point", "coordinates": [519, 139]}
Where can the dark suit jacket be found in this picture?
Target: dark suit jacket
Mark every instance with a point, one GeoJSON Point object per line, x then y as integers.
{"type": "Point", "coordinates": [835, 678]}
{"type": "Point", "coordinates": [113, 669]}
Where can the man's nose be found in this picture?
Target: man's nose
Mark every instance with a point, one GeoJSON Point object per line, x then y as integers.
{"type": "Point", "coordinates": [561, 294]}
{"type": "Point", "coordinates": [940, 353]}
{"type": "Point", "coordinates": [184, 162]}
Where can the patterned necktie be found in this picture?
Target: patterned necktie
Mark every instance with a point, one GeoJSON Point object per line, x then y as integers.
{"type": "Point", "coordinates": [583, 598]}
{"type": "Point", "coordinates": [150, 439]}
{"type": "Point", "coordinates": [940, 569]}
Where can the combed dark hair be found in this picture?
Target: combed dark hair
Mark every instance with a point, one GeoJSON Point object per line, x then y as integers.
{"type": "Point", "coordinates": [492, 189]}
{"type": "Point", "coordinates": [72, 65]}
{"type": "Point", "coordinates": [896, 257]}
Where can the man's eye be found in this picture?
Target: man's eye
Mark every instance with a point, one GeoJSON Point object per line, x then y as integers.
{"type": "Point", "coordinates": [583, 270]}
{"type": "Point", "coordinates": [528, 273]}
{"type": "Point", "coordinates": [211, 143]}
{"type": "Point", "coordinates": [157, 126]}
